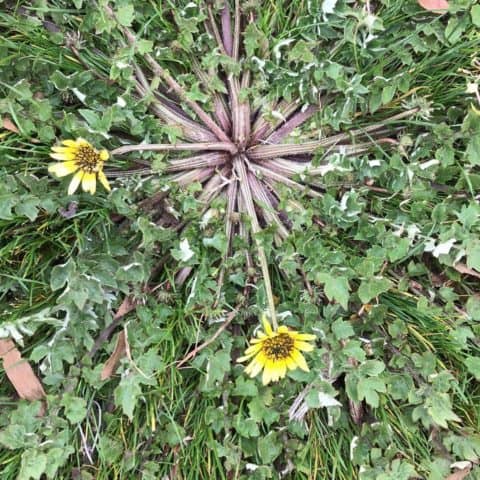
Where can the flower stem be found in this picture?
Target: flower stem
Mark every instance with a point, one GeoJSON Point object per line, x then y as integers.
{"type": "Point", "coordinates": [262, 152]}
{"type": "Point", "coordinates": [170, 81]}
{"type": "Point", "coordinates": [229, 228]}
{"type": "Point", "coordinates": [191, 130]}
{"type": "Point", "coordinates": [226, 147]}
{"type": "Point", "coordinates": [236, 31]}
{"type": "Point", "coordinates": [227, 29]}
{"type": "Point", "coordinates": [293, 122]}
{"type": "Point", "coordinates": [239, 165]}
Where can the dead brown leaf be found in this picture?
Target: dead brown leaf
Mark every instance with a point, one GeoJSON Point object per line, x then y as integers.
{"type": "Point", "coordinates": [459, 474]}
{"type": "Point", "coordinates": [120, 351]}
{"type": "Point", "coordinates": [20, 373]}
{"type": "Point", "coordinates": [7, 124]}
{"type": "Point", "coordinates": [435, 6]}
{"type": "Point", "coordinates": [462, 268]}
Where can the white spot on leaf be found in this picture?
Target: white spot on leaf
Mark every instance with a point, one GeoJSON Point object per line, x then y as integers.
{"type": "Point", "coordinates": [326, 400]}
{"type": "Point", "coordinates": [81, 96]}
{"type": "Point", "coordinates": [186, 253]}
{"type": "Point", "coordinates": [440, 249]}
{"type": "Point", "coordinates": [328, 6]}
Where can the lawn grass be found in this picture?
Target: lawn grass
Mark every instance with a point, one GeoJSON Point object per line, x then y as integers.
{"type": "Point", "coordinates": [396, 323]}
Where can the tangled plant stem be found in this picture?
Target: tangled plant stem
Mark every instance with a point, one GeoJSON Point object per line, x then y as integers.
{"type": "Point", "coordinates": [247, 162]}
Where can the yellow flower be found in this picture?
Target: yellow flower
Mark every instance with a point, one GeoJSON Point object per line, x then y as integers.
{"type": "Point", "coordinates": [276, 351]}
{"type": "Point", "coordinates": [79, 157]}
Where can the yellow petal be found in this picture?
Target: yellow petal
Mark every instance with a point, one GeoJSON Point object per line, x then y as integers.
{"type": "Point", "coordinates": [303, 336]}
{"type": "Point", "coordinates": [253, 368]}
{"type": "Point", "coordinates": [103, 155]}
{"type": "Point", "coordinates": [89, 182]}
{"type": "Point", "coordinates": [266, 326]}
{"type": "Point", "coordinates": [268, 372]}
{"type": "Point", "coordinates": [63, 168]}
{"type": "Point", "coordinates": [283, 329]}
{"type": "Point", "coordinates": [63, 156]}
{"type": "Point", "coordinates": [64, 149]}
{"type": "Point", "coordinates": [280, 369]}
{"type": "Point", "coordinates": [77, 178]}
{"type": "Point", "coordinates": [253, 349]}
{"type": "Point", "coordinates": [306, 347]}
{"type": "Point", "coordinates": [245, 357]}
{"type": "Point", "coordinates": [81, 141]}
{"type": "Point", "coordinates": [256, 365]}
{"type": "Point", "coordinates": [70, 143]}
{"type": "Point", "coordinates": [299, 360]}
{"type": "Point", "coordinates": [291, 365]}
{"type": "Point", "coordinates": [104, 181]}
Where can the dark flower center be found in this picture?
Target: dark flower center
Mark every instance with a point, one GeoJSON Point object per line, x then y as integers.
{"type": "Point", "coordinates": [88, 159]}
{"type": "Point", "coordinates": [278, 347]}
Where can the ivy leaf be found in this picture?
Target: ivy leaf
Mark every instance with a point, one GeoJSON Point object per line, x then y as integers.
{"type": "Point", "coordinates": [367, 389]}
{"type": "Point", "coordinates": [469, 216]}
{"type": "Point", "coordinates": [387, 93]}
{"type": "Point", "coordinates": [473, 149]}
{"type": "Point", "coordinates": [61, 273]}
{"type": "Point", "coordinates": [372, 288]}
{"type": "Point", "coordinates": [245, 388]}
{"type": "Point", "coordinates": [195, 94]}
{"type": "Point", "coordinates": [246, 427]}
{"type": "Point", "coordinates": [15, 436]}
{"type": "Point", "coordinates": [75, 408]}
{"type": "Point", "coordinates": [473, 366]}
{"type": "Point", "coordinates": [126, 394]}
{"type": "Point", "coordinates": [217, 366]}
{"type": "Point", "coordinates": [439, 407]}
{"type": "Point", "coordinates": [260, 411]}
{"type": "Point", "coordinates": [372, 368]}
{"type": "Point", "coordinates": [28, 207]}
{"type": "Point", "coordinates": [399, 249]}
{"type": "Point", "coordinates": [336, 288]}
{"type": "Point", "coordinates": [33, 465]}
{"type": "Point", "coordinates": [151, 233]}
{"type": "Point", "coordinates": [342, 329]}
{"type": "Point", "coordinates": [400, 386]}
{"type": "Point", "coordinates": [7, 202]}
{"type": "Point", "coordinates": [109, 449]}
{"type": "Point", "coordinates": [473, 254]}
{"type": "Point", "coordinates": [255, 39]}
{"type": "Point", "coordinates": [475, 12]}
{"type": "Point", "coordinates": [144, 46]}
{"type": "Point", "coordinates": [269, 447]}
{"type": "Point", "coordinates": [218, 241]}
{"type": "Point", "coordinates": [399, 470]}
{"type": "Point", "coordinates": [56, 457]}
{"type": "Point", "coordinates": [125, 15]}
{"type": "Point", "coordinates": [301, 51]}
{"type": "Point", "coordinates": [473, 307]}
{"type": "Point", "coordinates": [173, 434]}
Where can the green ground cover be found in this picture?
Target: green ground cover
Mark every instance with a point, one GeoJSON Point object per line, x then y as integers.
{"type": "Point", "coordinates": [368, 240]}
